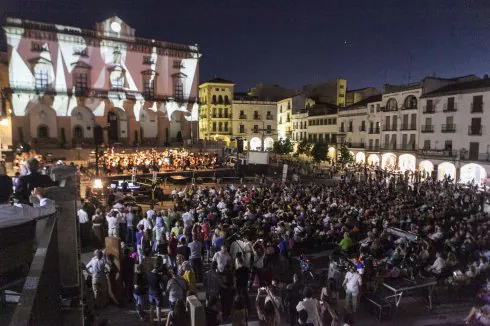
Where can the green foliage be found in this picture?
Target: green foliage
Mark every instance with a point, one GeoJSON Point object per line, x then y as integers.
{"type": "Point", "coordinates": [304, 147]}
{"type": "Point", "coordinates": [282, 146]}
{"type": "Point", "coordinates": [319, 152]}
{"type": "Point", "coordinates": [345, 156]}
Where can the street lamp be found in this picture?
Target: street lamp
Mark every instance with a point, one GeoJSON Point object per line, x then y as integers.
{"type": "Point", "coordinates": [4, 123]}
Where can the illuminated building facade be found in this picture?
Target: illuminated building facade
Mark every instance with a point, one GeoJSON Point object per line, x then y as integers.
{"type": "Point", "coordinates": [63, 80]}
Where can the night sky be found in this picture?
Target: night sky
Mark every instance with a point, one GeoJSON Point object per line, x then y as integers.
{"type": "Point", "coordinates": [297, 42]}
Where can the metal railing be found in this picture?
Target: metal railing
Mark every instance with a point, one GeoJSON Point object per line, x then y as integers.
{"type": "Point", "coordinates": [448, 128]}
{"type": "Point", "coordinates": [39, 302]}
{"type": "Point", "coordinates": [429, 109]}
{"type": "Point", "coordinates": [475, 130]}
{"type": "Point", "coordinates": [408, 126]}
{"type": "Point", "coordinates": [374, 130]}
{"type": "Point", "coordinates": [450, 108]}
{"type": "Point", "coordinates": [477, 107]}
{"type": "Point", "coordinates": [426, 128]}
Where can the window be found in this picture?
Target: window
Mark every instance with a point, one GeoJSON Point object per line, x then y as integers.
{"type": "Point", "coordinates": [256, 129]}
{"type": "Point", "coordinates": [391, 105]}
{"type": "Point", "coordinates": [214, 99]}
{"type": "Point", "coordinates": [226, 125]}
{"type": "Point", "coordinates": [81, 82]}
{"type": "Point", "coordinates": [242, 129]}
{"type": "Point", "coordinates": [42, 132]}
{"type": "Point", "coordinates": [38, 47]}
{"type": "Point", "coordinates": [371, 108]}
{"type": "Point", "coordinates": [81, 51]}
{"type": "Point", "coordinates": [227, 100]}
{"type": "Point", "coordinates": [226, 112]}
{"type": "Point", "coordinates": [178, 64]}
{"type": "Point", "coordinates": [242, 114]}
{"type": "Point", "coordinates": [410, 102]}
{"type": "Point", "coordinates": [77, 132]}
{"type": "Point", "coordinates": [256, 114]}
{"type": "Point", "coordinates": [41, 77]}
{"type": "Point", "coordinates": [341, 86]}
{"type": "Point", "coordinates": [334, 121]}
{"type": "Point", "coordinates": [269, 129]}
{"type": "Point", "coordinates": [220, 126]}
{"type": "Point", "coordinates": [477, 105]}
{"type": "Point", "coordinates": [427, 144]}
{"type": "Point", "coordinates": [448, 145]}
{"type": "Point", "coordinates": [220, 113]}
{"type": "Point", "coordinates": [214, 112]}
{"type": "Point", "coordinates": [378, 107]}
{"type": "Point", "coordinates": [363, 125]}
{"type": "Point", "coordinates": [178, 89]}
{"type": "Point", "coordinates": [214, 126]}
{"type": "Point", "coordinates": [148, 87]}
{"type": "Point", "coordinates": [220, 99]}
{"type": "Point", "coordinates": [147, 60]}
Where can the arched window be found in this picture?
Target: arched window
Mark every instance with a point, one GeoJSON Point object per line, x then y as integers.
{"type": "Point", "coordinates": [220, 99]}
{"type": "Point", "coordinates": [42, 132]}
{"type": "Point", "coordinates": [410, 102]}
{"type": "Point", "coordinates": [392, 105]}
{"type": "Point", "coordinates": [227, 100]}
{"type": "Point", "coordinates": [214, 99]}
{"type": "Point", "coordinates": [78, 132]}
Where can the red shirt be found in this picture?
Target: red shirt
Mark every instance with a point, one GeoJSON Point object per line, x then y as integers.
{"type": "Point", "coordinates": [172, 246]}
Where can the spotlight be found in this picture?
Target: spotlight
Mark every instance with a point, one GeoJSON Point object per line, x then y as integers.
{"type": "Point", "coordinates": [98, 184]}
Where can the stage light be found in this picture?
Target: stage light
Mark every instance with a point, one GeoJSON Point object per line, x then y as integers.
{"type": "Point", "coordinates": [98, 184]}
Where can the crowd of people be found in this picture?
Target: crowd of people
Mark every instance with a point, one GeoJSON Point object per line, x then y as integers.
{"type": "Point", "coordinates": [251, 234]}
{"type": "Point", "coordinates": [157, 160]}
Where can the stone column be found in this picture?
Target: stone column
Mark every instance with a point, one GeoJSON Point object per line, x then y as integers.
{"type": "Point", "coordinates": [66, 198]}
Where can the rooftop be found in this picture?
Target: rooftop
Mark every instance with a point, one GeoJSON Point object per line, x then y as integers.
{"type": "Point", "coordinates": [218, 80]}
{"type": "Point", "coordinates": [474, 85]}
{"type": "Point", "coordinates": [364, 102]}
{"type": "Point", "coordinates": [323, 109]}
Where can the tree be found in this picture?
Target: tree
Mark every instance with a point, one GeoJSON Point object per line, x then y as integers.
{"type": "Point", "coordinates": [304, 147]}
{"type": "Point", "coordinates": [345, 156]}
{"type": "Point", "coordinates": [319, 153]}
{"type": "Point", "coordinates": [283, 146]}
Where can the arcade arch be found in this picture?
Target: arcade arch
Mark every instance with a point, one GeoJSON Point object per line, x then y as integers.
{"type": "Point", "coordinates": [373, 160]}
{"type": "Point", "coordinates": [446, 168]}
{"type": "Point", "coordinates": [388, 161]}
{"type": "Point", "coordinates": [406, 162]}
{"type": "Point", "coordinates": [360, 158]}
{"type": "Point", "coordinates": [255, 144]}
{"type": "Point", "coordinates": [473, 172]}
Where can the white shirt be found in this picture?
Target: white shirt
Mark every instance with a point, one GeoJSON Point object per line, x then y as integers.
{"type": "Point", "coordinates": [353, 281]}
{"type": "Point", "coordinates": [187, 218]}
{"type": "Point", "coordinates": [96, 267]}
{"type": "Point", "coordinates": [438, 265]}
{"type": "Point", "coordinates": [22, 212]}
{"type": "Point", "coordinates": [112, 222]}
{"type": "Point", "coordinates": [311, 305]}
{"type": "Point", "coordinates": [82, 216]}
{"type": "Point", "coordinates": [146, 224]}
{"type": "Point", "coordinates": [258, 260]}
{"type": "Point", "coordinates": [222, 260]}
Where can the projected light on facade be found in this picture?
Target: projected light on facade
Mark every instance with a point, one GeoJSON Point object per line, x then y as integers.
{"type": "Point", "coordinates": [139, 88]}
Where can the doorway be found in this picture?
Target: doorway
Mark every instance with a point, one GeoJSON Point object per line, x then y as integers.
{"type": "Point", "coordinates": [113, 127]}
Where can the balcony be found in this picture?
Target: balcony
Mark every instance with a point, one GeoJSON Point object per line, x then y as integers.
{"type": "Point", "coordinates": [429, 109]}
{"type": "Point", "coordinates": [372, 148]}
{"type": "Point", "coordinates": [426, 128]}
{"type": "Point", "coordinates": [475, 130]}
{"type": "Point", "coordinates": [374, 130]}
{"type": "Point", "coordinates": [269, 117]}
{"type": "Point", "coordinates": [242, 117]}
{"type": "Point", "coordinates": [257, 117]}
{"type": "Point", "coordinates": [398, 147]}
{"type": "Point", "coordinates": [413, 107]}
{"type": "Point", "coordinates": [362, 128]}
{"type": "Point", "coordinates": [477, 107]}
{"type": "Point", "coordinates": [350, 129]}
{"type": "Point", "coordinates": [450, 107]}
{"type": "Point", "coordinates": [437, 152]}
{"type": "Point", "coordinates": [354, 145]}
{"type": "Point", "coordinates": [448, 128]}
{"type": "Point", "coordinates": [342, 130]}
{"type": "Point", "coordinates": [390, 128]}
{"type": "Point", "coordinates": [405, 127]}
{"type": "Point", "coordinates": [390, 109]}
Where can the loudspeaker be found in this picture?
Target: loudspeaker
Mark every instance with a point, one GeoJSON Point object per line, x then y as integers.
{"type": "Point", "coordinates": [98, 135]}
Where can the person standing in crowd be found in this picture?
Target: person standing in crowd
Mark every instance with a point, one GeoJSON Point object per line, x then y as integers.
{"type": "Point", "coordinates": [140, 290]}
{"type": "Point", "coordinates": [195, 248]}
{"type": "Point", "coordinates": [239, 315]}
{"type": "Point", "coordinates": [127, 272]}
{"type": "Point", "coordinates": [176, 288]}
{"type": "Point", "coordinates": [268, 314]}
{"type": "Point", "coordinates": [213, 281]}
{"type": "Point", "coordinates": [294, 294]}
{"type": "Point", "coordinates": [183, 250]}
{"type": "Point", "coordinates": [222, 257]}
{"type": "Point", "coordinates": [312, 307]}
{"type": "Point", "coordinates": [34, 179]}
{"type": "Point", "coordinates": [212, 312]}
{"type": "Point", "coordinates": [241, 281]}
{"type": "Point", "coordinates": [258, 263]}
{"type": "Point", "coordinates": [113, 223]}
{"type": "Point", "coordinates": [98, 227]}
{"type": "Point", "coordinates": [352, 284]}
{"type": "Point", "coordinates": [178, 316]}
{"type": "Point", "coordinates": [172, 250]}
{"type": "Point", "coordinates": [139, 238]}
{"type": "Point", "coordinates": [130, 225]}
{"type": "Point", "coordinates": [97, 269]}
{"type": "Point", "coordinates": [85, 227]}
{"type": "Point", "coordinates": [155, 295]}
